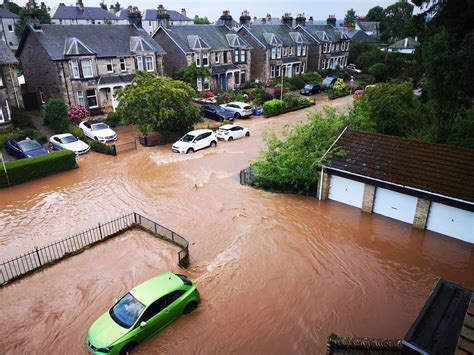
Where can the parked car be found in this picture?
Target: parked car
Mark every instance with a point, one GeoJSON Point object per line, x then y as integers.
{"type": "Point", "coordinates": [194, 141]}
{"type": "Point", "coordinates": [141, 313]}
{"type": "Point", "coordinates": [329, 80]}
{"type": "Point", "coordinates": [358, 94]}
{"type": "Point", "coordinates": [257, 111]}
{"type": "Point", "coordinates": [25, 148]}
{"type": "Point", "coordinates": [352, 68]}
{"type": "Point", "coordinates": [215, 112]}
{"type": "Point", "coordinates": [310, 89]}
{"type": "Point", "coordinates": [68, 141]}
{"type": "Point", "coordinates": [229, 132]}
{"type": "Point", "coordinates": [240, 109]}
{"type": "Point", "coordinates": [98, 131]}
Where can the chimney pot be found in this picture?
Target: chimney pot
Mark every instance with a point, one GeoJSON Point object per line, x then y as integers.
{"type": "Point", "coordinates": [183, 11]}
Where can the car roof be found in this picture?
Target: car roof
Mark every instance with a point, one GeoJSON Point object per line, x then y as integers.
{"type": "Point", "coordinates": [237, 103]}
{"type": "Point", "coordinates": [199, 131]}
{"type": "Point", "coordinates": [156, 287]}
{"type": "Point", "coordinates": [227, 126]}
{"type": "Point", "coordinates": [330, 77]}
{"type": "Point", "coordinates": [62, 135]}
{"type": "Point", "coordinates": [92, 121]}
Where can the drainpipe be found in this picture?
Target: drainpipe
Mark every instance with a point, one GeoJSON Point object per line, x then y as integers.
{"type": "Point", "coordinates": [65, 84]}
{"type": "Point", "coordinates": [14, 88]}
{"type": "Point", "coordinates": [320, 195]}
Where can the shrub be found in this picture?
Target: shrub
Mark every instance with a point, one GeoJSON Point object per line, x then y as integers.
{"type": "Point", "coordinates": [77, 113]}
{"type": "Point", "coordinates": [312, 77]}
{"type": "Point", "coordinates": [21, 118]}
{"type": "Point", "coordinates": [113, 119]}
{"type": "Point", "coordinates": [36, 167]}
{"type": "Point", "coordinates": [75, 131]}
{"type": "Point", "coordinates": [102, 148]}
{"type": "Point", "coordinates": [273, 107]}
{"type": "Point", "coordinates": [339, 85]}
{"type": "Point", "coordinates": [379, 72]}
{"type": "Point", "coordinates": [294, 83]}
{"type": "Point", "coordinates": [21, 134]}
{"type": "Point", "coordinates": [55, 115]}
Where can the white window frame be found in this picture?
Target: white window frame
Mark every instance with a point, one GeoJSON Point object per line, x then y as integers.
{"type": "Point", "coordinates": [1, 80]}
{"type": "Point", "coordinates": [96, 100]}
{"type": "Point", "coordinates": [279, 52]}
{"type": "Point", "coordinates": [139, 62]}
{"type": "Point", "coordinates": [292, 50]}
{"type": "Point", "coordinates": [197, 59]}
{"type": "Point", "coordinates": [323, 64]}
{"type": "Point", "coordinates": [277, 71]}
{"type": "Point", "coordinates": [236, 56]}
{"type": "Point", "coordinates": [325, 48]}
{"type": "Point", "coordinates": [199, 84]}
{"type": "Point", "coordinates": [273, 53]}
{"type": "Point", "coordinates": [216, 58]}
{"type": "Point", "coordinates": [84, 67]}
{"type": "Point", "coordinates": [297, 69]}
{"type": "Point", "coordinates": [243, 56]}
{"type": "Point", "coordinates": [7, 108]}
{"type": "Point", "coordinates": [111, 63]}
{"type": "Point", "coordinates": [347, 45]}
{"type": "Point", "coordinates": [303, 51]}
{"type": "Point", "coordinates": [76, 74]}
{"type": "Point", "coordinates": [298, 50]}
{"type": "Point", "coordinates": [123, 64]}
{"type": "Point", "coordinates": [205, 59]}
{"type": "Point", "coordinates": [149, 63]}
{"type": "Point", "coordinates": [285, 52]}
{"type": "Point", "coordinates": [80, 98]}
{"type": "Point", "coordinates": [303, 65]}
{"type": "Point", "coordinates": [206, 85]}
{"type": "Point", "coordinates": [272, 71]}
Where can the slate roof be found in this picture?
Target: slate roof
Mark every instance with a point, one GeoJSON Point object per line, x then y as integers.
{"type": "Point", "coordinates": [103, 40]}
{"type": "Point", "coordinates": [6, 55]}
{"type": "Point", "coordinates": [281, 33]}
{"type": "Point", "coordinates": [438, 326]}
{"type": "Point", "coordinates": [357, 35]}
{"type": "Point", "coordinates": [86, 13]}
{"type": "Point", "coordinates": [368, 346]}
{"type": "Point", "coordinates": [411, 43]}
{"type": "Point", "coordinates": [436, 168]}
{"type": "Point", "coordinates": [114, 79]}
{"type": "Point", "coordinates": [368, 25]}
{"type": "Point", "coordinates": [220, 69]}
{"type": "Point", "coordinates": [211, 36]}
{"type": "Point", "coordinates": [150, 15]}
{"type": "Point", "coordinates": [4, 13]}
{"type": "Point", "coordinates": [325, 33]}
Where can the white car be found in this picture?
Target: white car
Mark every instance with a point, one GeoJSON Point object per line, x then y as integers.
{"type": "Point", "coordinates": [240, 109]}
{"type": "Point", "coordinates": [98, 131]}
{"type": "Point", "coordinates": [68, 141]}
{"type": "Point", "coordinates": [195, 140]}
{"type": "Point", "coordinates": [229, 132]}
{"type": "Point", "coordinates": [352, 68]}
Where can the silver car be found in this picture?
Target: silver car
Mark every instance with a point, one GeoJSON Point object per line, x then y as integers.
{"type": "Point", "coordinates": [68, 141]}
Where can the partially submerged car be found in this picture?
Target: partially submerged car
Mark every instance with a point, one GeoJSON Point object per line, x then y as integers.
{"type": "Point", "coordinates": [69, 142]}
{"type": "Point", "coordinates": [141, 313]}
{"type": "Point", "coordinates": [25, 148]}
{"type": "Point", "coordinates": [195, 140]}
{"type": "Point", "coordinates": [97, 131]}
{"type": "Point", "coordinates": [229, 132]}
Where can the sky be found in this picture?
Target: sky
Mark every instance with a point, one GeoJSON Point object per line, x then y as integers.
{"type": "Point", "coordinates": [319, 9]}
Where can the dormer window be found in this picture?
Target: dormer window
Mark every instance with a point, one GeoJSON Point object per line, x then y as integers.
{"type": "Point", "coordinates": [87, 68]}
{"type": "Point", "coordinates": [274, 53]}
{"type": "Point", "coordinates": [278, 52]}
{"type": "Point", "coordinates": [149, 63]}
{"type": "Point", "coordinates": [205, 59]}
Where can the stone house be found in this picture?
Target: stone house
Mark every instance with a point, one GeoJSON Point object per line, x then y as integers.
{"type": "Point", "coordinates": [86, 64]}
{"type": "Point", "coordinates": [9, 19]}
{"type": "Point", "coordinates": [10, 95]}
{"type": "Point", "coordinates": [278, 50]}
{"type": "Point", "coordinates": [84, 15]}
{"type": "Point", "coordinates": [219, 48]}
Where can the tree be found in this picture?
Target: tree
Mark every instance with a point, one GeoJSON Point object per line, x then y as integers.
{"type": "Point", "coordinates": [378, 71]}
{"type": "Point", "coordinates": [350, 18]}
{"type": "Point", "coordinates": [364, 54]}
{"type": "Point", "coordinates": [55, 115]}
{"type": "Point", "coordinates": [41, 12]}
{"type": "Point", "coordinates": [103, 5]}
{"type": "Point", "coordinates": [375, 14]}
{"type": "Point", "coordinates": [117, 7]}
{"type": "Point", "coordinates": [158, 104]}
{"type": "Point", "coordinates": [190, 74]}
{"type": "Point", "coordinates": [395, 19]}
{"type": "Point", "coordinates": [201, 20]}
{"type": "Point", "coordinates": [12, 7]}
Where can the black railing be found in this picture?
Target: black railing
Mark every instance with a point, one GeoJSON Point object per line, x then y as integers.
{"type": "Point", "coordinates": [39, 257]}
{"type": "Point", "coordinates": [246, 176]}
{"type": "Point", "coordinates": [126, 146]}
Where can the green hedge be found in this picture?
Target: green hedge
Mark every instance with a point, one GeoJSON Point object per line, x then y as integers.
{"type": "Point", "coordinates": [102, 148]}
{"type": "Point", "coordinates": [275, 107]}
{"type": "Point", "coordinates": [36, 167]}
{"type": "Point", "coordinates": [20, 134]}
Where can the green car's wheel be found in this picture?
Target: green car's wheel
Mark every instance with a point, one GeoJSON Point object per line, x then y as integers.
{"type": "Point", "coordinates": [191, 306]}
{"type": "Point", "coordinates": [127, 349]}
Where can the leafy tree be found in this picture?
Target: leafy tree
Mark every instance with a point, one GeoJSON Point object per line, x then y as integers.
{"type": "Point", "coordinates": [158, 104]}
{"type": "Point", "coordinates": [41, 12]}
{"type": "Point", "coordinates": [117, 7]}
{"type": "Point", "coordinates": [350, 18]}
{"type": "Point", "coordinates": [364, 54]}
{"type": "Point", "coordinates": [55, 115]}
{"type": "Point", "coordinates": [378, 71]}
{"type": "Point", "coordinates": [103, 5]}
{"type": "Point", "coordinates": [395, 18]}
{"type": "Point", "coordinates": [375, 14]}
{"type": "Point", "coordinates": [12, 7]}
{"type": "Point", "coordinates": [201, 20]}
{"type": "Point", "coordinates": [190, 74]}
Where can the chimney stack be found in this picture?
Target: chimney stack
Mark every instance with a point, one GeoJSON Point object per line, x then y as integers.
{"type": "Point", "coordinates": [310, 20]}
{"type": "Point", "coordinates": [32, 19]}
{"type": "Point", "coordinates": [226, 18]}
{"type": "Point", "coordinates": [183, 12]}
{"type": "Point", "coordinates": [134, 16]}
{"type": "Point", "coordinates": [286, 19]}
{"type": "Point", "coordinates": [331, 20]}
{"type": "Point", "coordinates": [245, 19]}
{"type": "Point", "coordinates": [301, 20]}
{"type": "Point", "coordinates": [80, 4]}
{"type": "Point", "coordinates": [111, 9]}
{"type": "Point", "coordinates": [163, 16]}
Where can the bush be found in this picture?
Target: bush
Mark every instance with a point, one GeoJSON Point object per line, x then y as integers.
{"type": "Point", "coordinates": [75, 131]}
{"type": "Point", "coordinates": [311, 77]}
{"type": "Point", "coordinates": [295, 83]}
{"type": "Point", "coordinates": [273, 107]}
{"type": "Point", "coordinates": [77, 113]}
{"type": "Point", "coordinates": [21, 119]}
{"type": "Point", "coordinates": [21, 134]}
{"type": "Point", "coordinates": [55, 115]}
{"type": "Point", "coordinates": [102, 148]}
{"type": "Point", "coordinates": [36, 167]}
{"type": "Point", "coordinates": [113, 119]}
{"type": "Point", "coordinates": [289, 102]}
{"type": "Point", "coordinates": [378, 71]}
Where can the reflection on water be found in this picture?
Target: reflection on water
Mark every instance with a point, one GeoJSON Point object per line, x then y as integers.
{"type": "Point", "coordinates": [277, 273]}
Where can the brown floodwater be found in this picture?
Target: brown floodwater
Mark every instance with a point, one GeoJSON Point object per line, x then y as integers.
{"type": "Point", "coordinates": [277, 273]}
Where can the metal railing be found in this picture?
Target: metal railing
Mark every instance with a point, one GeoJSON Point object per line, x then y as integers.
{"type": "Point", "coordinates": [246, 176]}
{"type": "Point", "coordinates": [124, 147]}
{"type": "Point", "coordinates": [52, 253]}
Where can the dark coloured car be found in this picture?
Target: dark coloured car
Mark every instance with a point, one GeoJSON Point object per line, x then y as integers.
{"type": "Point", "coordinates": [310, 89]}
{"type": "Point", "coordinates": [25, 148]}
{"type": "Point", "coordinates": [216, 112]}
{"type": "Point", "coordinates": [329, 80]}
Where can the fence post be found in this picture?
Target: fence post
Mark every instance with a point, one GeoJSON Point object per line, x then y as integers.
{"type": "Point", "coordinates": [135, 217]}
{"type": "Point", "coordinates": [114, 150]}
{"type": "Point", "coordinates": [100, 232]}
{"type": "Point", "coordinates": [37, 254]}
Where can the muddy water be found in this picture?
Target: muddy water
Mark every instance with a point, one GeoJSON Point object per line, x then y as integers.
{"type": "Point", "coordinates": [277, 273]}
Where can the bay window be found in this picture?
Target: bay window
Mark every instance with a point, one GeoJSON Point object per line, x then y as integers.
{"type": "Point", "coordinates": [298, 50]}
{"type": "Point", "coordinates": [139, 62]}
{"type": "Point", "coordinates": [92, 98]}
{"type": "Point", "coordinates": [75, 69]}
{"type": "Point", "coordinates": [199, 84]}
{"type": "Point", "coordinates": [242, 56]}
{"type": "Point", "coordinates": [273, 53]}
{"type": "Point", "coordinates": [205, 59]}
{"type": "Point", "coordinates": [86, 65]}
{"type": "Point", "coordinates": [80, 98]}
{"type": "Point", "coordinates": [278, 52]}
{"type": "Point", "coordinates": [149, 63]}
{"type": "Point", "coordinates": [206, 85]}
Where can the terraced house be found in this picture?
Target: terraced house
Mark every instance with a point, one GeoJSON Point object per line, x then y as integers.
{"type": "Point", "coordinates": [279, 50]}
{"type": "Point", "coordinates": [217, 47]}
{"type": "Point", "coordinates": [9, 88]}
{"type": "Point", "coordinates": [84, 15]}
{"type": "Point", "coordinates": [84, 64]}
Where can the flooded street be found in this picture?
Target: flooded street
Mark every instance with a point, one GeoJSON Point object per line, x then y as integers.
{"type": "Point", "coordinates": [277, 273]}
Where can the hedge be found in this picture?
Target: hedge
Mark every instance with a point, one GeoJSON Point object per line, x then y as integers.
{"type": "Point", "coordinates": [102, 148]}
{"type": "Point", "coordinates": [290, 103]}
{"type": "Point", "coordinates": [36, 167]}
{"type": "Point", "coordinates": [21, 134]}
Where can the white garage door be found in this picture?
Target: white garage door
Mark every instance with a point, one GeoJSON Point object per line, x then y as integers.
{"type": "Point", "coordinates": [451, 221]}
{"type": "Point", "coordinates": [346, 191]}
{"type": "Point", "coordinates": [395, 205]}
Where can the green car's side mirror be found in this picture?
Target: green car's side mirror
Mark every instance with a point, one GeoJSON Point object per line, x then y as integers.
{"type": "Point", "coordinates": [142, 324]}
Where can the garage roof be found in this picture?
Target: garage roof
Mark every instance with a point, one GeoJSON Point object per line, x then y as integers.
{"type": "Point", "coordinates": [436, 168]}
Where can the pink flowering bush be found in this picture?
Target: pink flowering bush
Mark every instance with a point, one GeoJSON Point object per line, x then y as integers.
{"type": "Point", "coordinates": [208, 94]}
{"type": "Point", "coordinates": [77, 113]}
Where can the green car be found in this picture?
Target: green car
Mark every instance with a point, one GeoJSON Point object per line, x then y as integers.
{"type": "Point", "coordinates": [141, 313]}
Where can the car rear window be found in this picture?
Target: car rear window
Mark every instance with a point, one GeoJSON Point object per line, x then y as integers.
{"type": "Point", "coordinates": [185, 280]}
{"type": "Point", "coordinates": [247, 107]}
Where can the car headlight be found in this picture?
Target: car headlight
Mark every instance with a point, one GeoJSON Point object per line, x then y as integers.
{"type": "Point", "coordinates": [105, 350]}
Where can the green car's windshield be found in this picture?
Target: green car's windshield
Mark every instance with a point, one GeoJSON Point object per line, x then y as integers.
{"type": "Point", "coordinates": [126, 311]}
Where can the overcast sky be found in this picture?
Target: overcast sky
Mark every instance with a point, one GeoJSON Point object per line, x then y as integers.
{"type": "Point", "coordinates": [319, 9]}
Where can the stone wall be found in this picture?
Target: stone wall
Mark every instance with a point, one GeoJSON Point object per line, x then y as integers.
{"type": "Point", "coordinates": [368, 198]}
{"type": "Point", "coordinates": [421, 213]}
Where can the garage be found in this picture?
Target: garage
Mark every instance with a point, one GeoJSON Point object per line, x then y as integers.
{"type": "Point", "coordinates": [346, 191]}
{"type": "Point", "coordinates": [452, 221]}
{"type": "Point", "coordinates": [395, 205]}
